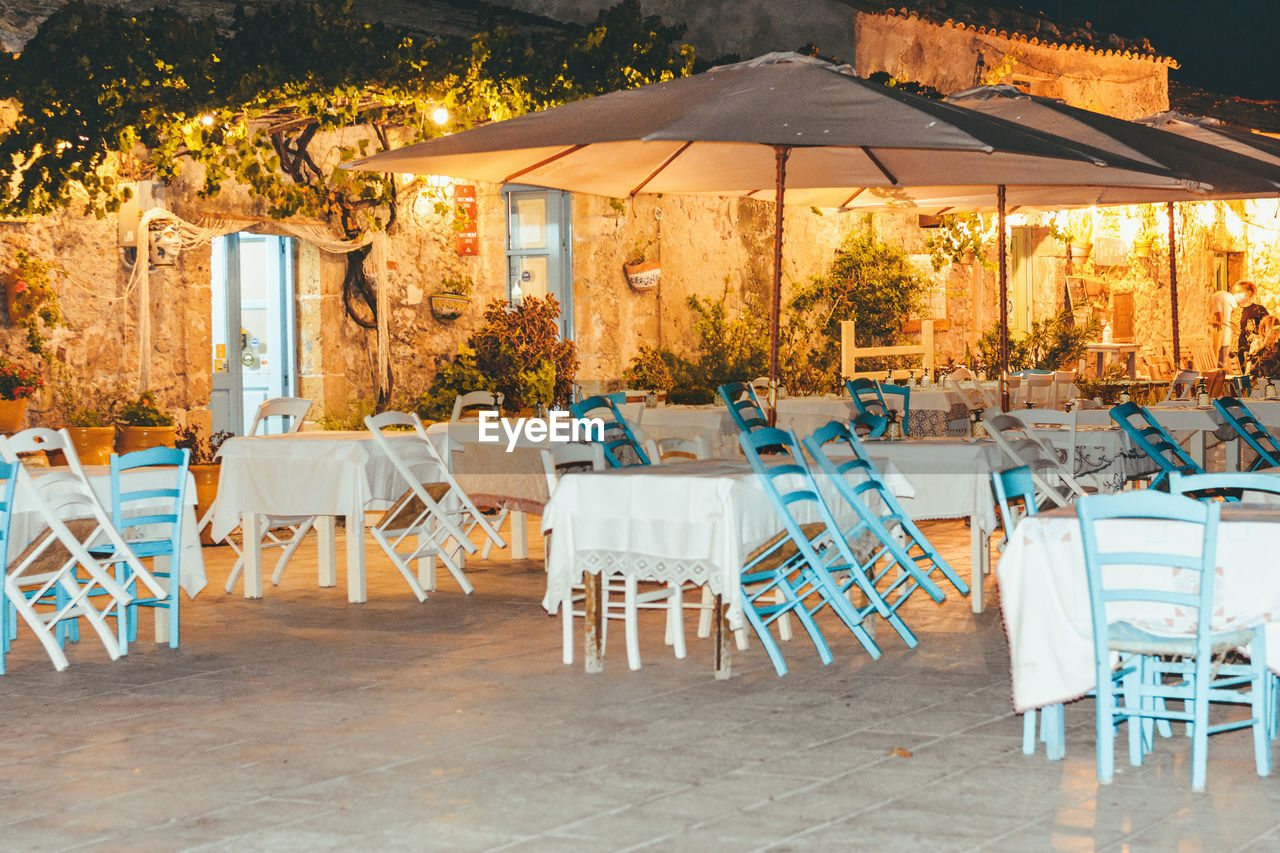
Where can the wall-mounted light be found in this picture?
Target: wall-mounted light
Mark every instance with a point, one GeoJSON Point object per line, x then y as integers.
{"type": "Point", "coordinates": [206, 120]}
{"type": "Point", "coordinates": [440, 116]}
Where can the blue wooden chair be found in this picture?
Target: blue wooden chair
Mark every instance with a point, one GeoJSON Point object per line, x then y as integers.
{"type": "Point", "coordinates": [159, 510]}
{"type": "Point", "coordinates": [8, 616]}
{"type": "Point", "coordinates": [1146, 658]}
{"type": "Point", "coordinates": [1229, 485]}
{"type": "Point", "coordinates": [1155, 441]}
{"type": "Point", "coordinates": [621, 447]}
{"type": "Point", "coordinates": [899, 544]}
{"type": "Point", "coordinates": [744, 406]}
{"type": "Point", "coordinates": [791, 573]}
{"type": "Point", "coordinates": [1252, 433]}
{"type": "Point", "coordinates": [903, 391]}
{"type": "Point", "coordinates": [872, 409]}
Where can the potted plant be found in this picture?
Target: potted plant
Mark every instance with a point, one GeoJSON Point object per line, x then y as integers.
{"type": "Point", "coordinates": [642, 273]}
{"type": "Point", "coordinates": [88, 415]}
{"type": "Point", "coordinates": [452, 299]}
{"type": "Point", "coordinates": [30, 298]}
{"type": "Point", "coordinates": [17, 385]}
{"type": "Point", "coordinates": [1080, 242]}
{"type": "Point", "coordinates": [205, 467]}
{"type": "Point", "coordinates": [141, 424]}
{"type": "Point", "coordinates": [648, 371]}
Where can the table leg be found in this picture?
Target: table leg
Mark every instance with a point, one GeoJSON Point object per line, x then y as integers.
{"type": "Point", "coordinates": [724, 651]}
{"type": "Point", "coordinates": [356, 591]}
{"type": "Point", "coordinates": [519, 535]}
{"type": "Point", "coordinates": [327, 558]}
{"type": "Point", "coordinates": [593, 609]}
{"type": "Point", "coordinates": [1199, 446]}
{"type": "Point", "coordinates": [980, 548]}
{"type": "Point", "coordinates": [252, 555]}
{"type": "Point", "coordinates": [1233, 454]}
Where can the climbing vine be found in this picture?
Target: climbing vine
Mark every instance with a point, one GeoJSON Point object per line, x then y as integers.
{"type": "Point", "coordinates": [106, 97]}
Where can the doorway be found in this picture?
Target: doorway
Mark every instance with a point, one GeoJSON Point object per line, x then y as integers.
{"type": "Point", "coordinates": [252, 283]}
{"type": "Point", "coordinates": [539, 259]}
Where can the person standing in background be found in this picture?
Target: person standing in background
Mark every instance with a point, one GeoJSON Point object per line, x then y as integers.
{"type": "Point", "coordinates": [1251, 314]}
{"type": "Point", "coordinates": [1222, 304]}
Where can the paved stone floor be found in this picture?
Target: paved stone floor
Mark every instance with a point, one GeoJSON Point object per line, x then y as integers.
{"type": "Point", "coordinates": [302, 722]}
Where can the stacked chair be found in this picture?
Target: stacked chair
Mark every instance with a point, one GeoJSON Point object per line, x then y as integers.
{"type": "Point", "coordinates": [622, 448]}
{"type": "Point", "coordinates": [53, 581]}
{"type": "Point", "coordinates": [1155, 441]}
{"type": "Point", "coordinates": [1054, 482]}
{"type": "Point", "coordinates": [873, 412]}
{"type": "Point", "coordinates": [819, 561]}
{"type": "Point", "coordinates": [1252, 433]}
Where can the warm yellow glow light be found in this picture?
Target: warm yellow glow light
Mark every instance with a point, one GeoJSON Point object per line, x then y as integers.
{"type": "Point", "coordinates": [440, 115]}
{"type": "Point", "coordinates": [207, 121]}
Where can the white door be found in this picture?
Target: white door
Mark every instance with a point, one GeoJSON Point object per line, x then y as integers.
{"type": "Point", "coordinates": [539, 261]}
{"type": "Point", "coordinates": [253, 292]}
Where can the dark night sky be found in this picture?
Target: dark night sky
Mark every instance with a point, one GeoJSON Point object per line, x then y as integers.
{"type": "Point", "coordinates": [1226, 46]}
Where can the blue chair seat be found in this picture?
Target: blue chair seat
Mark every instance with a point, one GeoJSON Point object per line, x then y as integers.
{"type": "Point", "coordinates": [1124, 636]}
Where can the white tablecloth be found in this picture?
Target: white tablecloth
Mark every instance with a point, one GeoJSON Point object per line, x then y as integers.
{"type": "Point", "coordinates": [1044, 594]}
{"type": "Point", "coordinates": [495, 474]}
{"type": "Point", "coordinates": [691, 521]}
{"type": "Point", "coordinates": [711, 422]}
{"type": "Point", "coordinates": [27, 524]}
{"type": "Point", "coordinates": [309, 473]}
{"type": "Point", "coordinates": [932, 409]}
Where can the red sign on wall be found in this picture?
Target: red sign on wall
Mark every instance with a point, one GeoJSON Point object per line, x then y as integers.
{"type": "Point", "coordinates": [467, 238]}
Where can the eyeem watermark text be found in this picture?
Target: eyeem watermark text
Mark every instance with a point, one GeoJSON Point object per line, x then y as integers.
{"type": "Point", "coordinates": [560, 427]}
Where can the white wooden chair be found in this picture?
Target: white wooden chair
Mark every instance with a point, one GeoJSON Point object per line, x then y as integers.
{"type": "Point", "coordinates": [1034, 389]}
{"type": "Point", "coordinates": [40, 584]}
{"type": "Point", "coordinates": [433, 511]}
{"type": "Point", "coordinates": [470, 405]}
{"type": "Point", "coordinates": [677, 449]}
{"type": "Point", "coordinates": [564, 458]}
{"type": "Point", "coordinates": [293, 410]}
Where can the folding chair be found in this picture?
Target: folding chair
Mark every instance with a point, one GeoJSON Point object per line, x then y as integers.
{"type": "Point", "coordinates": [1054, 481]}
{"type": "Point", "coordinates": [1252, 433]}
{"type": "Point", "coordinates": [43, 575]}
{"type": "Point", "coordinates": [433, 511]}
{"type": "Point", "coordinates": [1174, 574]}
{"type": "Point", "coordinates": [1034, 388]}
{"type": "Point", "coordinates": [677, 449]}
{"type": "Point", "coordinates": [1155, 441]}
{"type": "Point", "coordinates": [622, 449]}
{"type": "Point", "coordinates": [155, 513]}
{"type": "Point", "coordinates": [293, 410]}
{"type": "Point", "coordinates": [965, 385]}
{"type": "Point", "coordinates": [470, 405]}
{"type": "Point", "coordinates": [1064, 388]}
{"type": "Point", "coordinates": [872, 409]}
{"type": "Point", "coordinates": [1182, 386]}
{"type": "Point", "coordinates": [798, 561]}
{"type": "Point", "coordinates": [744, 406]}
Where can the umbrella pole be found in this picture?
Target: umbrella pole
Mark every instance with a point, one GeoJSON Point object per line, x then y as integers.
{"type": "Point", "coordinates": [1004, 299]}
{"type": "Point", "coordinates": [780, 153]}
{"type": "Point", "coordinates": [1173, 289]}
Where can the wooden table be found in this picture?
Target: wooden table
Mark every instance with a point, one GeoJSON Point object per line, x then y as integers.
{"type": "Point", "coordinates": [1102, 353]}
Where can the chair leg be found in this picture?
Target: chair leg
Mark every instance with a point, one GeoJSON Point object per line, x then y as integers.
{"type": "Point", "coordinates": [675, 620]}
{"type": "Point", "coordinates": [1029, 732]}
{"type": "Point", "coordinates": [566, 628]}
{"type": "Point", "coordinates": [497, 526]}
{"type": "Point", "coordinates": [706, 614]}
{"type": "Point", "coordinates": [299, 534]}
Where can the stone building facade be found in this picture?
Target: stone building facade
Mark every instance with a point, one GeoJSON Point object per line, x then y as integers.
{"type": "Point", "coordinates": [708, 246]}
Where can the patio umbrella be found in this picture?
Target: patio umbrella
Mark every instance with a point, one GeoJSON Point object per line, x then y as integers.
{"type": "Point", "coordinates": [781, 127]}
{"type": "Point", "coordinates": [1232, 168]}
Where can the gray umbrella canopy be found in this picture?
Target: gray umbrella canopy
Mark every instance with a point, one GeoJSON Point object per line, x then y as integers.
{"type": "Point", "coordinates": [1212, 131]}
{"type": "Point", "coordinates": [781, 127]}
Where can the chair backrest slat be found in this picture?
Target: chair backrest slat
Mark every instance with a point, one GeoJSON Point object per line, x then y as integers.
{"type": "Point", "coordinates": [622, 449]}
{"type": "Point", "coordinates": [1251, 431]}
{"type": "Point", "coordinates": [1154, 440]}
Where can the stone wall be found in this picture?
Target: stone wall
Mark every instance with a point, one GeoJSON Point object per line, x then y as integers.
{"type": "Point", "coordinates": [952, 59]}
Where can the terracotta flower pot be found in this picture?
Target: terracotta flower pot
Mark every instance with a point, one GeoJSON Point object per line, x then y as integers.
{"type": "Point", "coordinates": [93, 444]}
{"type": "Point", "coordinates": [644, 275]}
{"type": "Point", "coordinates": [13, 414]}
{"type": "Point", "coordinates": [131, 438]}
{"type": "Point", "coordinates": [448, 306]}
{"type": "Point", "coordinates": [206, 477]}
